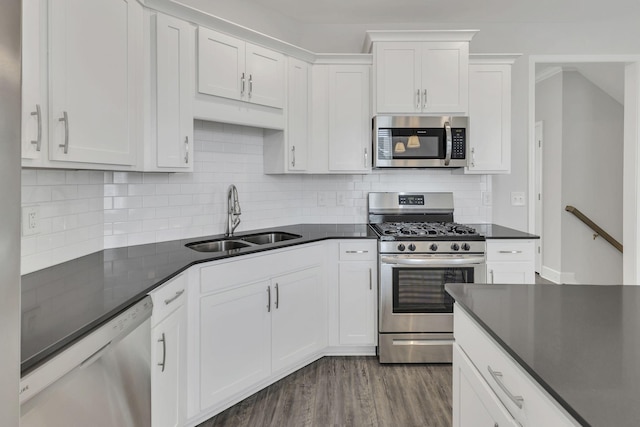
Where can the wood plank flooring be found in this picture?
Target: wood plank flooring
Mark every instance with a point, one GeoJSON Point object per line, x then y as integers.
{"type": "Point", "coordinates": [348, 391]}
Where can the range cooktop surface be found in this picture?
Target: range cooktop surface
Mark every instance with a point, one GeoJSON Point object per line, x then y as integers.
{"type": "Point", "coordinates": [426, 231]}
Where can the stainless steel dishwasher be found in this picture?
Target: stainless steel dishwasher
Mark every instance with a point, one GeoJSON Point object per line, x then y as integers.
{"type": "Point", "coordinates": [104, 379]}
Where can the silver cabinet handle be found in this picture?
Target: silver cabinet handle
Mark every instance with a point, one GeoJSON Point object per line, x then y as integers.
{"type": "Point", "coordinates": [509, 252]}
{"type": "Point", "coordinates": [357, 252]}
{"type": "Point", "coordinates": [242, 80]}
{"type": "Point", "coordinates": [491, 273]}
{"type": "Point", "coordinates": [250, 85]}
{"type": "Point", "coordinates": [186, 149]}
{"type": "Point", "coordinates": [497, 376]}
{"type": "Point", "coordinates": [366, 157]}
{"type": "Point", "coordinates": [65, 119]}
{"type": "Point", "coordinates": [277, 296]}
{"type": "Point", "coordinates": [164, 351]}
{"type": "Point", "coordinates": [293, 156]}
{"type": "Point", "coordinates": [424, 98]}
{"type": "Point", "coordinates": [173, 298]}
{"type": "Point", "coordinates": [418, 99]}
{"type": "Point", "coordinates": [38, 114]}
{"type": "Point", "coordinates": [268, 299]}
{"type": "Point", "coordinates": [473, 157]}
{"type": "Point", "coordinates": [370, 280]}
{"type": "Point", "coordinates": [447, 130]}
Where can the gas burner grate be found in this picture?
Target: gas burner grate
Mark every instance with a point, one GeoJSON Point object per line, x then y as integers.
{"type": "Point", "coordinates": [425, 229]}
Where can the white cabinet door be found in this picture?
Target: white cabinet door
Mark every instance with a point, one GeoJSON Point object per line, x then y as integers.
{"type": "Point", "coordinates": [349, 118]}
{"type": "Point", "coordinates": [398, 77]}
{"type": "Point", "coordinates": [235, 341]}
{"type": "Point", "coordinates": [174, 93]}
{"type": "Point", "coordinates": [94, 50]}
{"type": "Point", "coordinates": [297, 317]}
{"type": "Point", "coordinates": [489, 118]}
{"type": "Point", "coordinates": [474, 403]}
{"type": "Point", "coordinates": [221, 64]}
{"type": "Point", "coordinates": [445, 68]}
{"type": "Point", "coordinates": [357, 299]}
{"type": "Point", "coordinates": [265, 76]}
{"type": "Point", "coordinates": [168, 370]}
{"type": "Point", "coordinates": [510, 261]}
{"type": "Point", "coordinates": [297, 132]}
{"type": "Point", "coordinates": [34, 108]}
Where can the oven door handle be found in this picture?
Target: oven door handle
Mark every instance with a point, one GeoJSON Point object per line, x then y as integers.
{"type": "Point", "coordinates": [431, 261]}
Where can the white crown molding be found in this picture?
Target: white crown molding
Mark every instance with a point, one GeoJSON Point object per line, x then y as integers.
{"type": "Point", "coordinates": [344, 58]}
{"type": "Point", "coordinates": [373, 36]}
{"type": "Point", "coordinates": [493, 58]}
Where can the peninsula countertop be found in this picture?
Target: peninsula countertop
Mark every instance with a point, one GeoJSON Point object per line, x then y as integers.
{"type": "Point", "coordinates": [581, 343]}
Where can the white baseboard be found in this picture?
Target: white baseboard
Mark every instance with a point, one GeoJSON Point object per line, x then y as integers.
{"type": "Point", "coordinates": [558, 277]}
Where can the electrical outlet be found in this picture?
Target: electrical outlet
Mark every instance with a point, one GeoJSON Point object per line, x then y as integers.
{"type": "Point", "coordinates": [486, 198]}
{"type": "Point", "coordinates": [322, 198]}
{"type": "Point", "coordinates": [30, 220]}
{"type": "Point", "coordinates": [340, 198]}
{"type": "Point", "coordinates": [517, 198]}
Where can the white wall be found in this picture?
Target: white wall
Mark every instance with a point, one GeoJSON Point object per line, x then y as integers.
{"type": "Point", "coordinates": [549, 111]}
{"type": "Point", "coordinates": [582, 158]}
{"type": "Point", "coordinates": [592, 152]}
{"type": "Point", "coordinates": [84, 211]}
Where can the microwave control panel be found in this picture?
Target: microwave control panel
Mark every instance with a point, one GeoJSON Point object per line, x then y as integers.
{"type": "Point", "coordinates": [458, 143]}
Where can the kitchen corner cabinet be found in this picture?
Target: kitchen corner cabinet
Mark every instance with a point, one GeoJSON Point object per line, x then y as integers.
{"type": "Point", "coordinates": [491, 388]}
{"type": "Point", "coordinates": [170, 67]}
{"type": "Point", "coordinates": [95, 61]}
{"type": "Point", "coordinates": [341, 118]}
{"type": "Point", "coordinates": [232, 68]}
{"type": "Point", "coordinates": [429, 77]}
{"type": "Point", "coordinates": [357, 293]}
{"type": "Point", "coordinates": [489, 133]}
{"type": "Point", "coordinates": [288, 151]}
{"type": "Point", "coordinates": [255, 320]}
{"type": "Point", "coordinates": [168, 354]}
{"type": "Point", "coordinates": [510, 261]}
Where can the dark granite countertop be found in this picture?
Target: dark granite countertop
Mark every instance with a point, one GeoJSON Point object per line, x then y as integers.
{"type": "Point", "coordinates": [579, 342]}
{"type": "Point", "coordinates": [495, 231]}
{"type": "Point", "coordinates": [62, 303]}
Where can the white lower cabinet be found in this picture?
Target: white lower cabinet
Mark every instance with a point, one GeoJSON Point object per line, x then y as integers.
{"type": "Point", "coordinates": [168, 354]}
{"type": "Point", "coordinates": [474, 403]}
{"type": "Point", "coordinates": [510, 261]}
{"type": "Point", "coordinates": [491, 388]}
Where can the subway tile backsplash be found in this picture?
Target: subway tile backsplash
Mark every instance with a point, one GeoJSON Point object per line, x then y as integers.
{"type": "Point", "coordinates": [86, 211]}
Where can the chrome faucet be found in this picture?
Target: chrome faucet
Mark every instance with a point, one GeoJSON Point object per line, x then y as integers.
{"type": "Point", "coordinates": [233, 210]}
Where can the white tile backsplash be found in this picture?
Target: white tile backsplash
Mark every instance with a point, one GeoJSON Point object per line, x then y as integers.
{"type": "Point", "coordinates": [86, 211]}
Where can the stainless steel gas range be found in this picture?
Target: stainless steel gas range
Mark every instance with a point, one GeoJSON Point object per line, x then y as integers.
{"type": "Point", "coordinates": [420, 249]}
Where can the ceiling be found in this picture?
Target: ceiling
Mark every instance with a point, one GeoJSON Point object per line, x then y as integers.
{"type": "Point", "coordinates": [452, 11]}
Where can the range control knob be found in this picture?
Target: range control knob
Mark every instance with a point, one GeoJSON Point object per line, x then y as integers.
{"type": "Point", "coordinates": [455, 247]}
{"type": "Point", "coordinates": [465, 247]}
{"type": "Point", "coordinates": [433, 247]}
{"type": "Point", "coordinates": [401, 247]}
{"type": "Point", "coordinates": [412, 247]}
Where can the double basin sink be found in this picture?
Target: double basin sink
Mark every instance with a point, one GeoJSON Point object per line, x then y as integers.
{"type": "Point", "coordinates": [231, 243]}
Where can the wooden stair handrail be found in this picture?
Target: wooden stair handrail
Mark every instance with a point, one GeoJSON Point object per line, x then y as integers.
{"type": "Point", "coordinates": [595, 227]}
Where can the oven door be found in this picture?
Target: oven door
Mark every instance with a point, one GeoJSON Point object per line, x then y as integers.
{"type": "Point", "coordinates": [412, 295]}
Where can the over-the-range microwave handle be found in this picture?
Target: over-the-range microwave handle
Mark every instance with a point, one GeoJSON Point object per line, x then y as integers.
{"type": "Point", "coordinates": [447, 131]}
{"type": "Point", "coordinates": [399, 260]}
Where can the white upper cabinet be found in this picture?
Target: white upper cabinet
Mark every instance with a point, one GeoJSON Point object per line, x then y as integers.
{"type": "Point", "coordinates": [297, 132]}
{"type": "Point", "coordinates": [349, 118]}
{"type": "Point", "coordinates": [34, 100]}
{"type": "Point", "coordinates": [489, 132]}
{"type": "Point", "coordinates": [234, 69]}
{"type": "Point", "coordinates": [95, 51]}
{"type": "Point", "coordinates": [420, 72]}
{"type": "Point", "coordinates": [169, 101]}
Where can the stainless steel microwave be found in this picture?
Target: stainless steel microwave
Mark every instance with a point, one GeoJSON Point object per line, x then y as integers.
{"type": "Point", "coordinates": [419, 142]}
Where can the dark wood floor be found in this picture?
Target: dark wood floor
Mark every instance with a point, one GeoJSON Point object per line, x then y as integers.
{"type": "Point", "coordinates": [348, 391]}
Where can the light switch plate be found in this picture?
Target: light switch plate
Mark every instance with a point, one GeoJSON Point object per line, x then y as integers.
{"type": "Point", "coordinates": [30, 220]}
{"type": "Point", "coordinates": [486, 198]}
{"type": "Point", "coordinates": [517, 198]}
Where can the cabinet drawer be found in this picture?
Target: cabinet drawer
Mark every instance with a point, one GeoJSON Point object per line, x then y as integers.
{"type": "Point", "coordinates": [537, 407]}
{"type": "Point", "coordinates": [510, 250]}
{"type": "Point", "coordinates": [168, 297]}
{"type": "Point", "coordinates": [359, 250]}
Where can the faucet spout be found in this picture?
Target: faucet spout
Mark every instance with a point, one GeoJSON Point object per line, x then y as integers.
{"type": "Point", "coordinates": [233, 210]}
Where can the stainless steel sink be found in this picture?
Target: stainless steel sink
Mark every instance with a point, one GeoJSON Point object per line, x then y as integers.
{"type": "Point", "coordinates": [218, 245]}
{"type": "Point", "coordinates": [264, 238]}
